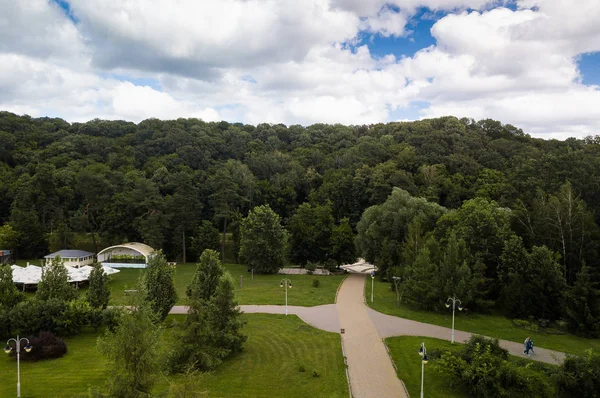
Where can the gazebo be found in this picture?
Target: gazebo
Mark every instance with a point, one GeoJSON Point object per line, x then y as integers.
{"type": "Point", "coordinates": [126, 255]}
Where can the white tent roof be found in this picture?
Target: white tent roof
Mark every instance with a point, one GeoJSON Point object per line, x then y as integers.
{"type": "Point", "coordinates": [141, 248]}
{"type": "Point", "coordinates": [32, 274]}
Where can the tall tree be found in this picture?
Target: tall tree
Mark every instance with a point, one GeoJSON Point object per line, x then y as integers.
{"type": "Point", "coordinates": [206, 278]}
{"type": "Point", "coordinates": [55, 282]}
{"type": "Point", "coordinates": [9, 295]}
{"type": "Point", "coordinates": [98, 294]}
{"type": "Point", "coordinates": [207, 237]}
{"type": "Point", "coordinates": [133, 352]}
{"type": "Point", "coordinates": [263, 242]}
{"type": "Point", "coordinates": [583, 304]}
{"type": "Point", "coordinates": [161, 294]}
{"type": "Point", "coordinates": [343, 248]}
{"type": "Point", "coordinates": [310, 232]}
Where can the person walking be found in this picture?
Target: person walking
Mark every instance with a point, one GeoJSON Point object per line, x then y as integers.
{"type": "Point", "coordinates": [528, 346]}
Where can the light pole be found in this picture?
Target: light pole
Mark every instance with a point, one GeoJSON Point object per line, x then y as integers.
{"type": "Point", "coordinates": [453, 300]}
{"type": "Point", "coordinates": [8, 349]}
{"type": "Point", "coordinates": [424, 359]}
{"type": "Point", "coordinates": [372, 284]}
{"type": "Point", "coordinates": [397, 280]}
{"type": "Point", "coordinates": [286, 284]}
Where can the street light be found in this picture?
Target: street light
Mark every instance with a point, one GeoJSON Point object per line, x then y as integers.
{"type": "Point", "coordinates": [397, 280]}
{"type": "Point", "coordinates": [287, 284]}
{"type": "Point", "coordinates": [372, 284]}
{"type": "Point", "coordinates": [8, 349]}
{"type": "Point", "coordinates": [424, 360]}
{"type": "Point", "coordinates": [453, 300]}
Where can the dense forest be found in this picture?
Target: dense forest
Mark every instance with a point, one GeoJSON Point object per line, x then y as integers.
{"type": "Point", "coordinates": [499, 205]}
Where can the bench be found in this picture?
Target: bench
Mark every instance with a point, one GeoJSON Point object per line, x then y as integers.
{"type": "Point", "coordinates": [172, 264]}
{"type": "Point", "coordinates": [131, 291]}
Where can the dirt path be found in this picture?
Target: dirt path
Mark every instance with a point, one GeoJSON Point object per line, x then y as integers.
{"type": "Point", "coordinates": [370, 368]}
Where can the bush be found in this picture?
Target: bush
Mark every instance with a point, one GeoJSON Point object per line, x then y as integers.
{"type": "Point", "coordinates": [331, 265]}
{"type": "Point", "coordinates": [316, 373]}
{"type": "Point", "coordinates": [111, 318]}
{"type": "Point", "coordinates": [310, 266]}
{"type": "Point", "coordinates": [579, 376]}
{"type": "Point", "coordinates": [316, 282]}
{"type": "Point", "coordinates": [45, 346]}
{"type": "Point", "coordinates": [301, 369]}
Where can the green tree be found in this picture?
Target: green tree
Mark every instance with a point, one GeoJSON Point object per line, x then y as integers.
{"type": "Point", "coordinates": [55, 282]}
{"type": "Point", "coordinates": [343, 249]}
{"type": "Point", "coordinates": [207, 237]}
{"type": "Point", "coordinates": [391, 220]}
{"type": "Point", "coordinates": [582, 305]}
{"type": "Point", "coordinates": [421, 279]}
{"type": "Point", "coordinates": [9, 238]}
{"type": "Point", "coordinates": [310, 232]}
{"type": "Point", "coordinates": [579, 376]}
{"type": "Point", "coordinates": [206, 278]}
{"type": "Point", "coordinates": [224, 319]}
{"type": "Point", "coordinates": [9, 295]}
{"type": "Point", "coordinates": [161, 294]}
{"type": "Point", "coordinates": [132, 352]}
{"type": "Point", "coordinates": [263, 242]}
{"type": "Point", "coordinates": [98, 294]}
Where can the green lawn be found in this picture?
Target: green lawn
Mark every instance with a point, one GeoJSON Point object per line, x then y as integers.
{"type": "Point", "coordinates": [489, 325]}
{"type": "Point", "coordinates": [404, 351]}
{"type": "Point", "coordinates": [264, 289]}
{"type": "Point", "coordinates": [267, 367]}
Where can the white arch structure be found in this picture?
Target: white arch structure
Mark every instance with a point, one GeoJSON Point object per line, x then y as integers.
{"type": "Point", "coordinates": [110, 255]}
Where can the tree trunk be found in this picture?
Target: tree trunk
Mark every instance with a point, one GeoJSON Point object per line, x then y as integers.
{"type": "Point", "coordinates": [183, 233]}
{"type": "Point", "coordinates": [223, 240]}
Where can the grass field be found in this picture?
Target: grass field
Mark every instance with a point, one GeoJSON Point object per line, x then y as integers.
{"type": "Point", "coordinates": [404, 352]}
{"type": "Point", "coordinates": [488, 325]}
{"type": "Point", "coordinates": [263, 289]}
{"type": "Point", "coordinates": [267, 367]}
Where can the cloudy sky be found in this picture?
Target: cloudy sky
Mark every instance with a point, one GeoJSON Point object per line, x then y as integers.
{"type": "Point", "coordinates": [531, 63]}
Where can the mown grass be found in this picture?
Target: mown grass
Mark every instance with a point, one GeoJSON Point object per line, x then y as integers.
{"type": "Point", "coordinates": [267, 367]}
{"type": "Point", "coordinates": [404, 352]}
{"type": "Point", "coordinates": [490, 325]}
{"type": "Point", "coordinates": [263, 289]}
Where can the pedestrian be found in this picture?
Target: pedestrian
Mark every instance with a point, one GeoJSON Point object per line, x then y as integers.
{"type": "Point", "coordinates": [526, 343]}
{"type": "Point", "coordinates": [531, 346]}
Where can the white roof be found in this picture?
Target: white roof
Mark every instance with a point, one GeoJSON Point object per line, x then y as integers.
{"type": "Point", "coordinates": [32, 274]}
{"type": "Point", "coordinates": [141, 248]}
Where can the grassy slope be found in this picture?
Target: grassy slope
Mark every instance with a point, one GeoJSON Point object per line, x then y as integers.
{"type": "Point", "coordinates": [488, 325]}
{"type": "Point", "coordinates": [404, 351]}
{"type": "Point", "coordinates": [267, 367]}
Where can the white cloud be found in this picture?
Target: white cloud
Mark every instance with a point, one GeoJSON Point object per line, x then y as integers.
{"type": "Point", "coordinates": [299, 62]}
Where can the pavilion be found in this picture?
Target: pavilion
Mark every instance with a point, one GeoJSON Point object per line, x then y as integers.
{"type": "Point", "coordinates": [126, 255]}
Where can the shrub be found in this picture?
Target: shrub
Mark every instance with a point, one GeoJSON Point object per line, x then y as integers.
{"type": "Point", "coordinates": [111, 318]}
{"type": "Point", "coordinates": [310, 266]}
{"type": "Point", "coordinates": [45, 346]}
{"type": "Point", "coordinates": [316, 282]}
{"type": "Point", "coordinates": [331, 265]}
{"type": "Point", "coordinates": [301, 369]}
{"type": "Point", "coordinates": [316, 373]}
{"type": "Point", "coordinates": [579, 376]}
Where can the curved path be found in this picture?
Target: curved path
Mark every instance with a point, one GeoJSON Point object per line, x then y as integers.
{"type": "Point", "coordinates": [370, 369]}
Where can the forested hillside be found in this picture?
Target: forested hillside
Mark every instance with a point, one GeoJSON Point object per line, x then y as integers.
{"type": "Point", "coordinates": [157, 180]}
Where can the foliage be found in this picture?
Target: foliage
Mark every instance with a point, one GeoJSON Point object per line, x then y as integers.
{"type": "Point", "coordinates": [45, 346]}
{"type": "Point", "coordinates": [159, 285]}
{"type": "Point", "coordinates": [583, 305]}
{"type": "Point", "coordinates": [310, 233]}
{"type": "Point", "coordinates": [482, 367]}
{"type": "Point", "coordinates": [132, 351]}
{"type": "Point", "coordinates": [579, 376]}
{"type": "Point", "coordinates": [53, 315]}
{"type": "Point", "coordinates": [383, 228]}
{"type": "Point", "coordinates": [263, 244]}
{"type": "Point", "coordinates": [9, 238]}
{"type": "Point", "coordinates": [207, 237]}
{"type": "Point", "coordinates": [9, 295]}
{"type": "Point", "coordinates": [343, 248]}
{"type": "Point", "coordinates": [55, 282]}
{"type": "Point", "coordinates": [98, 294]}
{"type": "Point", "coordinates": [206, 278]}
{"type": "Point", "coordinates": [316, 282]}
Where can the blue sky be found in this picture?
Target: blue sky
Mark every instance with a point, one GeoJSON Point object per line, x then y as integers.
{"type": "Point", "coordinates": [290, 62]}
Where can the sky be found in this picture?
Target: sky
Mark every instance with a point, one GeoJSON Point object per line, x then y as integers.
{"type": "Point", "coordinates": [531, 63]}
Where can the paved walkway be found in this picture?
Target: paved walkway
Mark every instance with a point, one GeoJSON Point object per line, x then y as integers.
{"type": "Point", "coordinates": [389, 326]}
{"type": "Point", "coordinates": [370, 368]}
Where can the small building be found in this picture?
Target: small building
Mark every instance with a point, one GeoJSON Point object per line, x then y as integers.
{"type": "Point", "coordinates": [73, 258]}
{"type": "Point", "coordinates": [126, 255]}
{"type": "Point", "coordinates": [5, 257]}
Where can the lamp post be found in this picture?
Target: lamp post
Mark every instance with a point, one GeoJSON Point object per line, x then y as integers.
{"type": "Point", "coordinates": [397, 280]}
{"type": "Point", "coordinates": [286, 284]}
{"type": "Point", "coordinates": [372, 284]}
{"type": "Point", "coordinates": [424, 359]}
{"type": "Point", "coordinates": [8, 349]}
{"type": "Point", "coordinates": [454, 300]}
